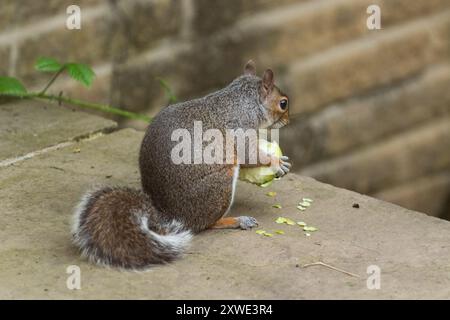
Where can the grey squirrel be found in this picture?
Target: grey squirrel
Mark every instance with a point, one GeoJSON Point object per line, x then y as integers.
{"type": "Point", "coordinates": [134, 229]}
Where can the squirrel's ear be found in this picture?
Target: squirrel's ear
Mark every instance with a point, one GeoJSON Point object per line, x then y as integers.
{"type": "Point", "coordinates": [250, 68]}
{"type": "Point", "coordinates": [267, 81]}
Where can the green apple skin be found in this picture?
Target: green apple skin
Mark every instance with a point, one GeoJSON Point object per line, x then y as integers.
{"type": "Point", "coordinates": [262, 176]}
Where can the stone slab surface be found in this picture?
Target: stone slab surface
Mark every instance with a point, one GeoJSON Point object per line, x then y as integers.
{"type": "Point", "coordinates": [37, 196]}
{"type": "Point", "coordinates": [30, 126]}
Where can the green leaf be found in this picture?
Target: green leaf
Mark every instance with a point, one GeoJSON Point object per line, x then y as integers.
{"type": "Point", "coordinates": [47, 65]}
{"type": "Point", "coordinates": [10, 85]}
{"type": "Point", "coordinates": [81, 73]}
{"type": "Point", "coordinates": [170, 95]}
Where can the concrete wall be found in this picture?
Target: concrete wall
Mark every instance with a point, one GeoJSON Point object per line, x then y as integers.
{"type": "Point", "coordinates": [370, 108]}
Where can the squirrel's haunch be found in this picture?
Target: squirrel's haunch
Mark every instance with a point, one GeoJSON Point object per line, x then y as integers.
{"type": "Point", "coordinates": [119, 227]}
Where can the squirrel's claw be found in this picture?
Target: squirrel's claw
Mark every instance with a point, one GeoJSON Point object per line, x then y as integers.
{"type": "Point", "coordinates": [286, 164]}
{"type": "Point", "coordinates": [279, 173]}
{"type": "Point", "coordinates": [284, 167]}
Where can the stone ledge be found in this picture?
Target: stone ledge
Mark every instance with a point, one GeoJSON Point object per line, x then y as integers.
{"type": "Point", "coordinates": [32, 126]}
{"type": "Point", "coordinates": [38, 194]}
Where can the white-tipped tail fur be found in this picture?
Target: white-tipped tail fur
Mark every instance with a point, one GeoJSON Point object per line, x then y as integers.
{"type": "Point", "coordinates": [110, 231]}
{"type": "Point", "coordinates": [176, 240]}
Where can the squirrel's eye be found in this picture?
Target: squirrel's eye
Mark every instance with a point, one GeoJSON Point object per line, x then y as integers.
{"type": "Point", "coordinates": [283, 104]}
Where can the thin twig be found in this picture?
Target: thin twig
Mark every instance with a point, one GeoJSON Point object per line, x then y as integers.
{"type": "Point", "coordinates": [53, 79]}
{"type": "Point", "coordinates": [320, 263]}
{"type": "Point", "coordinates": [79, 103]}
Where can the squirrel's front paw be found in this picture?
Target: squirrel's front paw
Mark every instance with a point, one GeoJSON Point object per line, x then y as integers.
{"type": "Point", "coordinates": [283, 167]}
{"type": "Point", "coordinates": [246, 222]}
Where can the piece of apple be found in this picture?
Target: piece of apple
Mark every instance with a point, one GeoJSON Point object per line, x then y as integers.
{"type": "Point", "coordinates": [264, 175]}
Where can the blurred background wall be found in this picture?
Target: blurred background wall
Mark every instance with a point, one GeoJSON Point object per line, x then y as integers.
{"type": "Point", "coordinates": [370, 108]}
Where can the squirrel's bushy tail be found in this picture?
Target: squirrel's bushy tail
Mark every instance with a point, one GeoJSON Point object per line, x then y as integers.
{"type": "Point", "coordinates": [120, 227]}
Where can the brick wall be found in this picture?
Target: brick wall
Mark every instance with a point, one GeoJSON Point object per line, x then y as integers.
{"type": "Point", "coordinates": [371, 109]}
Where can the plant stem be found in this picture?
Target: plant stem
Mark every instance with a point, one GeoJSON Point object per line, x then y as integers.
{"type": "Point", "coordinates": [80, 103]}
{"type": "Point", "coordinates": [53, 79]}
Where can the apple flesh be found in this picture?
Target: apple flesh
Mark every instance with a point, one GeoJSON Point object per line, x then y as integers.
{"type": "Point", "coordinates": [263, 175]}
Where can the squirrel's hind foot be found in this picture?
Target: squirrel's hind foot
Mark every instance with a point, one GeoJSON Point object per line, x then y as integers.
{"type": "Point", "coordinates": [246, 222]}
{"type": "Point", "coordinates": [242, 222]}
